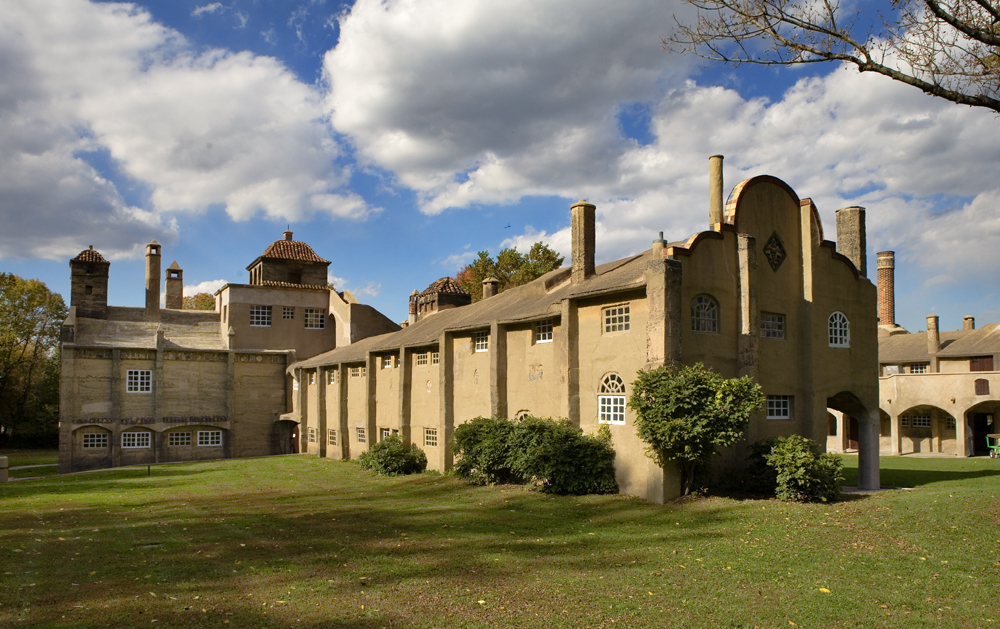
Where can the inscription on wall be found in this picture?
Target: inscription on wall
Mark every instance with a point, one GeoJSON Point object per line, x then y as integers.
{"type": "Point", "coordinates": [260, 358]}
{"type": "Point", "coordinates": [128, 421]}
{"type": "Point", "coordinates": [209, 357]}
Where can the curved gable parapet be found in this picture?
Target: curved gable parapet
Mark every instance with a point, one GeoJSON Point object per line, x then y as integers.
{"type": "Point", "coordinates": [733, 203]}
{"type": "Point", "coordinates": [815, 216]}
{"type": "Point", "coordinates": [688, 247]}
{"type": "Point", "coordinates": [832, 246]}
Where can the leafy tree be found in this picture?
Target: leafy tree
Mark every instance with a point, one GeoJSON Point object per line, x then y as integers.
{"type": "Point", "coordinates": [201, 301]}
{"type": "Point", "coordinates": [685, 414]}
{"type": "Point", "coordinates": [947, 49]}
{"type": "Point", "coordinates": [510, 267]}
{"type": "Point", "coordinates": [31, 319]}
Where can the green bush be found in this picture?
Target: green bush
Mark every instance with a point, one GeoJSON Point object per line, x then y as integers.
{"type": "Point", "coordinates": [554, 455]}
{"type": "Point", "coordinates": [803, 473]}
{"type": "Point", "coordinates": [390, 457]}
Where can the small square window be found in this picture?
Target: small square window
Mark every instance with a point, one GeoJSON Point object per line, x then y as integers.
{"type": "Point", "coordinates": [430, 436]}
{"type": "Point", "coordinates": [355, 372]}
{"type": "Point", "coordinates": [287, 312]}
{"type": "Point", "coordinates": [779, 407]}
{"type": "Point", "coordinates": [315, 319]}
{"type": "Point", "coordinates": [138, 381]}
{"type": "Point", "coordinates": [361, 434]}
{"type": "Point", "coordinates": [904, 420]}
{"type": "Point", "coordinates": [383, 434]}
{"type": "Point", "coordinates": [312, 435]}
{"type": "Point", "coordinates": [95, 440]}
{"type": "Point", "coordinates": [179, 439]}
{"type": "Point", "coordinates": [918, 368]}
{"type": "Point", "coordinates": [543, 331]}
{"type": "Point", "coordinates": [482, 341]}
{"type": "Point", "coordinates": [260, 316]}
{"type": "Point", "coordinates": [617, 318]}
{"type": "Point", "coordinates": [209, 437]}
{"type": "Point", "coordinates": [331, 437]}
{"type": "Point", "coordinates": [435, 358]}
{"type": "Point", "coordinates": [772, 326]}
{"type": "Point", "coordinates": [364, 371]}
{"type": "Point", "coordinates": [950, 423]}
{"type": "Point", "coordinates": [422, 358]}
{"type": "Point", "coordinates": [982, 386]}
{"type": "Point", "coordinates": [387, 362]}
{"type": "Point", "coordinates": [135, 439]}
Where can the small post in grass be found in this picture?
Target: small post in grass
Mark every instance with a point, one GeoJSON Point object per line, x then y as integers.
{"type": "Point", "coordinates": [149, 470]}
{"type": "Point", "coordinates": [3, 469]}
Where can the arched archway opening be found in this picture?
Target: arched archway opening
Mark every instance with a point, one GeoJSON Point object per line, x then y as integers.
{"type": "Point", "coordinates": [982, 419]}
{"type": "Point", "coordinates": [285, 437]}
{"type": "Point", "coordinates": [863, 429]}
{"type": "Point", "coordinates": [927, 428]}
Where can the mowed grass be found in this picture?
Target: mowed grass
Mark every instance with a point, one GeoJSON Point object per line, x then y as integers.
{"type": "Point", "coordinates": [17, 457]}
{"type": "Point", "coordinates": [302, 542]}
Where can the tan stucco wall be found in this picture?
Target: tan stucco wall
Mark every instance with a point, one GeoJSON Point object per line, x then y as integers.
{"type": "Point", "coordinates": [357, 404]}
{"type": "Point", "coordinates": [531, 370]}
{"type": "Point", "coordinates": [283, 333]}
{"type": "Point", "coordinates": [425, 403]}
{"type": "Point", "coordinates": [471, 378]}
{"type": "Point", "coordinates": [387, 392]}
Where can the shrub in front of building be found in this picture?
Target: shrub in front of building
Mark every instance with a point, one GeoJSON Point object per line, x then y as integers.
{"type": "Point", "coordinates": [553, 455]}
{"type": "Point", "coordinates": [391, 457]}
{"type": "Point", "coordinates": [795, 469]}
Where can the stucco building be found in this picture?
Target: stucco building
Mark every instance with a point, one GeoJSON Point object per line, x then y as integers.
{"type": "Point", "coordinates": [760, 293]}
{"type": "Point", "coordinates": [152, 384]}
{"type": "Point", "coordinates": [939, 391]}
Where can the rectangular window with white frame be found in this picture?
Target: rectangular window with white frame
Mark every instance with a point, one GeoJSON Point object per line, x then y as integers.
{"type": "Point", "coordinates": [481, 340]}
{"type": "Point", "coordinates": [430, 436]}
{"type": "Point", "coordinates": [611, 409]}
{"type": "Point", "coordinates": [361, 434]}
{"type": "Point", "coordinates": [287, 312]}
{"type": "Point", "coordinates": [387, 362]}
{"type": "Point", "coordinates": [312, 435]}
{"type": "Point", "coordinates": [918, 421]}
{"type": "Point", "coordinates": [918, 368]}
{"type": "Point", "coordinates": [95, 440]}
{"type": "Point", "coordinates": [315, 318]}
{"type": "Point", "coordinates": [617, 319]}
{"type": "Point", "coordinates": [772, 325]}
{"type": "Point", "coordinates": [355, 372]}
{"type": "Point", "coordinates": [136, 439]}
{"type": "Point", "coordinates": [138, 381]}
{"type": "Point", "coordinates": [331, 438]}
{"type": "Point", "coordinates": [543, 331]}
{"type": "Point", "coordinates": [779, 406]}
{"type": "Point", "coordinates": [435, 358]}
{"type": "Point", "coordinates": [260, 316]}
{"type": "Point", "coordinates": [950, 423]}
{"type": "Point", "coordinates": [209, 437]}
{"type": "Point", "coordinates": [383, 434]}
{"type": "Point", "coordinates": [422, 358]}
{"type": "Point", "coordinates": [179, 439]}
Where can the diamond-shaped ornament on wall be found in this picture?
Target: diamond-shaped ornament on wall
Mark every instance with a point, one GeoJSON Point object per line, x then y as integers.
{"type": "Point", "coordinates": [774, 252]}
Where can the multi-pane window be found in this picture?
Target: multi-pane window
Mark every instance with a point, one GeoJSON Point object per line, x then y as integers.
{"type": "Point", "coordinates": [904, 420]}
{"type": "Point", "coordinates": [260, 316]}
{"type": "Point", "coordinates": [387, 362]}
{"type": "Point", "coordinates": [138, 381]}
{"type": "Point", "coordinates": [704, 314]}
{"type": "Point", "coordinates": [312, 435]}
{"type": "Point", "coordinates": [355, 372]}
{"type": "Point", "coordinates": [981, 363]}
{"type": "Point", "coordinates": [918, 368]}
{"type": "Point", "coordinates": [982, 386]}
{"type": "Point", "coordinates": [364, 371]}
{"type": "Point", "coordinates": [611, 401]}
{"type": "Point", "coordinates": [950, 423]}
{"type": "Point", "coordinates": [616, 318]}
{"type": "Point", "coordinates": [361, 434]}
{"type": "Point", "coordinates": [331, 376]}
{"type": "Point", "coordinates": [383, 434]}
{"type": "Point", "coordinates": [435, 358]}
{"type": "Point", "coordinates": [95, 440]}
{"type": "Point", "coordinates": [430, 436]}
{"type": "Point", "coordinates": [922, 420]}
{"type": "Point", "coordinates": [287, 312]}
{"type": "Point", "coordinates": [210, 437]}
{"type": "Point", "coordinates": [543, 331]}
{"type": "Point", "coordinates": [179, 439]}
{"type": "Point", "coordinates": [331, 437]}
{"type": "Point", "coordinates": [315, 318]}
{"type": "Point", "coordinates": [312, 377]}
{"type": "Point", "coordinates": [779, 407]}
{"type": "Point", "coordinates": [772, 326]}
{"type": "Point", "coordinates": [136, 439]}
{"type": "Point", "coordinates": [422, 358]}
{"type": "Point", "coordinates": [481, 340]}
{"type": "Point", "coordinates": [840, 330]}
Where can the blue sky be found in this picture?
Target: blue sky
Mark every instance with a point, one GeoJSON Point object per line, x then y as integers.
{"type": "Point", "coordinates": [398, 138]}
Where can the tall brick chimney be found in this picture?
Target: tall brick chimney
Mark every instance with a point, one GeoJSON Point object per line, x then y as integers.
{"type": "Point", "coordinates": [851, 237]}
{"type": "Point", "coordinates": [174, 285]}
{"type": "Point", "coordinates": [583, 240]}
{"type": "Point", "coordinates": [153, 280]}
{"type": "Point", "coordinates": [715, 201]}
{"type": "Point", "coordinates": [885, 262]}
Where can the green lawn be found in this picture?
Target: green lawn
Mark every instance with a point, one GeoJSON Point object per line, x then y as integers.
{"type": "Point", "coordinates": [19, 457]}
{"type": "Point", "coordinates": [302, 542]}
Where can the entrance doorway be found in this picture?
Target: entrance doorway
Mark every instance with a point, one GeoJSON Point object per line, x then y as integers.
{"type": "Point", "coordinates": [982, 424]}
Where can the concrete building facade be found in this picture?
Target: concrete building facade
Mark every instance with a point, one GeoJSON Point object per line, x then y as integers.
{"type": "Point", "coordinates": [761, 293]}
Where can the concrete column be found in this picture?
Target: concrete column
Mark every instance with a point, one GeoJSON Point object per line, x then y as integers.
{"type": "Point", "coordinates": [405, 392]}
{"type": "Point", "coordinates": [230, 407]}
{"type": "Point", "coordinates": [67, 409]}
{"type": "Point", "coordinates": [715, 193]}
{"type": "Point", "coordinates": [868, 470]}
{"type": "Point", "coordinates": [498, 369]}
{"type": "Point", "coordinates": [157, 379]}
{"type": "Point", "coordinates": [748, 345]}
{"type": "Point", "coordinates": [446, 411]}
{"type": "Point", "coordinates": [851, 237]}
{"type": "Point", "coordinates": [303, 404]}
{"type": "Point", "coordinates": [933, 341]}
{"type": "Point", "coordinates": [895, 434]}
{"type": "Point", "coordinates": [663, 322]}
{"type": "Point", "coordinates": [568, 361]}
{"type": "Point", "coordinates": [371, 407]}
{"type": "Point", "coordinates": [322, 437]}
{"type": "Point", "coordinates": [962, 432]}
{"type": "Point", "coordinates": [343, 438]}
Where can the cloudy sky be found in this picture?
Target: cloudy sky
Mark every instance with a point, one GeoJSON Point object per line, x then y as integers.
{"type": "Point", "coordinates": [400, 137]}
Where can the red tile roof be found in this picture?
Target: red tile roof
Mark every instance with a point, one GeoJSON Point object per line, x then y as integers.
{"type": "Point", "coordinates": [446, 285]}
{"type": "Point", "coordinates": [90, 255]}
{"type": "Point", "coordinates": [292, 250]}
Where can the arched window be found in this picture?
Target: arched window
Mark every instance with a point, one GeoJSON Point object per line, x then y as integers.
{"type": "Point", "coordinates": [704, 314]}
{"type": "Point", "coordinates": [611, 400]}
{"type": "Point", "coordinates": [840, 330]}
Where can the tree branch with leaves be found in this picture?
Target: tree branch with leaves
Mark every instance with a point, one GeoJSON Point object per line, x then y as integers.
{"type": "Point", "coordinates": [950, 50]}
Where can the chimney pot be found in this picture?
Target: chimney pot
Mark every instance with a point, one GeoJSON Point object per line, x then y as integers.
{"type": "Point", "coordinates": [933, 336]}
{"type": "Point", "coordinates": [968, 323]}
{"type": "Point", "coordinates": [490, 286]}
{"type": "Point", "coordinates": [288, 234]}
{"type": "Point", "coordinates": [851, 237]}
{"type": "Point", "coordinates": [582, 214]}
{"type": "Point", "coordinates": [885, 263]}
{"type": "Point", "coordinates": [153, 280]}
{"type": "Point", "coordinates": [715, 205]}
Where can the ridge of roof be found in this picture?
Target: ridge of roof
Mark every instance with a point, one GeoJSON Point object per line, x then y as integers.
{"type": "Point", "coordinates": [90, 255]}
{"type": "Point", "coordinates": [292, 250]}
{"type": "Point", "coordinates": [446, 285]}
